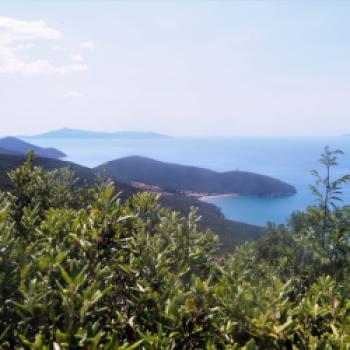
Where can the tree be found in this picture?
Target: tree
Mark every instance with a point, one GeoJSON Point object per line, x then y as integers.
{"type": "Point", "coordinates": [329, 193]}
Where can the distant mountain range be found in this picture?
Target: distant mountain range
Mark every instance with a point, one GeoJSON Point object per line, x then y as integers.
{"type": "Point", "coordinates": [66, 133]}
{"type": "Point", "coordinates": [15, 146]}
{"type": "Point", "coordinates": [182, 179]}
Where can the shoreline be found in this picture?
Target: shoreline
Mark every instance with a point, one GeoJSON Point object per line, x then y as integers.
{"type": "Point", "coordinates": [213, 196]}
{"type": "Point", "coordinates": [208, 196]}
{"type": "Point", "coordinates": [202, 196]}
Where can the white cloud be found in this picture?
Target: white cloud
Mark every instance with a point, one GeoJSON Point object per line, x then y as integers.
{"type": "Point", "coordinates": [13, 30]}
{"type": "Point", "coordinates": [57, 48]}
{"type": "Point", "coordinates": [17, 35]}
{"type": "Point", "coordinates": [69, 68]}
{"type": "Point", "coordinates": [25, 46]}
{"type": "Point", "coordinates": [88, 45]}
{"type": "Point", "coordinates": [73, 94]}
{"type": "Point", "coordinates": [77, 58]}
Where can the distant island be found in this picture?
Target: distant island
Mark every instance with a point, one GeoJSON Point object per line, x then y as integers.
{"type": "Point", "coordinates": [15, 146]}
{"type": "Point", "coordinates": [67, 133]}
{"type": "Point", "coordinates": [192, 181]}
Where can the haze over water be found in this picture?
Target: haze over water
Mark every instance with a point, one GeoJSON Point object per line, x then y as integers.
{"type": "Point", "coordinates": [288, 159]}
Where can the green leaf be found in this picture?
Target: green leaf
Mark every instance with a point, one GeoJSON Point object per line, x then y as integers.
{"type": "Point", "coordinates": [66, 276]}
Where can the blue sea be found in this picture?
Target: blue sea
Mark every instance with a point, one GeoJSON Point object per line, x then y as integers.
{"type": "Point", "coordinates": [288, 159]}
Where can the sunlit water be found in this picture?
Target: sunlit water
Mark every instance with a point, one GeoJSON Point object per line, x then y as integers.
{"type": "Point", "coordinates": [288, 159]}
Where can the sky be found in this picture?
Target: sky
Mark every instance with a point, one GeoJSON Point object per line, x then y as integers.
{"type": "Point", "coordinates": [176, 67]}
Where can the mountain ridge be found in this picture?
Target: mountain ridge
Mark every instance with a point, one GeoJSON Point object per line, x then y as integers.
{"type": "Point", "coordinates": [68, 133]}
{"type": "Point", "coordinates": [231, 233]}
{"type": "Point", "coordinates": [15, 146]}
{"type": "Point", "coordinates": [179, 179]}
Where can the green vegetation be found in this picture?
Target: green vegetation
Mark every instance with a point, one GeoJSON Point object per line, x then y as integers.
{"type": "Point", "coordinates": [180, 178]}
{"type": "Point", "coordinates": [82, 269]}
{"type": "Point", "coordinates": [12, 162]}
{"type": "Point", "coordinates": [231, 233]}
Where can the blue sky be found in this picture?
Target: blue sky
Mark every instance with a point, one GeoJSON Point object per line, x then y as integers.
{"type": "Point", "coordinates": [183, 68]}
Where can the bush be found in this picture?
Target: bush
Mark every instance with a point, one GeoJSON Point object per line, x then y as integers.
{"type": "Point", "coordinates": [81, 269]}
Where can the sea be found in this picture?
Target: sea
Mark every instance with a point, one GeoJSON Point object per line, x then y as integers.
{"type": "Point", "coordinates": [286, 158]}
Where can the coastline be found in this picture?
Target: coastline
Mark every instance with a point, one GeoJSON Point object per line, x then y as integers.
{"type": "Point", "coordinates": [209, 196]}
{"type": "Point", "coordinates": [203, 196]}
{"type": "Point", "coordinates": [213, 196]}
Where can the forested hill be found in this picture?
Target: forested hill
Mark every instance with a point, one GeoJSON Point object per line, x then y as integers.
{"type": "Point", "coordinates": [8, 151]}
{"type": "Point", "coordinates": [13, 145]}
{"type": "Point", "coordinates": [179, 178]}
{"type": "Point", "coordinates": [10, 162]}
{"type": "Point", "coordinates": [231, 233]}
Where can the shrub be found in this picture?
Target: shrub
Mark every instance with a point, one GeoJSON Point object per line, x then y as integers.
{"type": "Point", "coordinates": [82, 269]}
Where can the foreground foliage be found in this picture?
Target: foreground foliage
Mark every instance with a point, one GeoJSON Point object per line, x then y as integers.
{"type": "Point", "coordinates": [80, 269]}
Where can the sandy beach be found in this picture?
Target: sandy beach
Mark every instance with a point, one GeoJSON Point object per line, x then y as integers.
{"type": "Point", "coordinates": [205, 197]}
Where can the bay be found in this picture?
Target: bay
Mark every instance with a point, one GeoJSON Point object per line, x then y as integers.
{"type": "Point", "coordinates": [287, 158]}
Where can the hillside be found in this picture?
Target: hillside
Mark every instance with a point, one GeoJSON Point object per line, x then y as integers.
{"type": "Point", "coordinates": [13, 145]}
{"type": "Point", "coordinates": [10, 162]}
{"type": "Point", "coordinates": [67, 133]}
{"type": "Point", "coordinates": [179, 178]}
{"type": "Point", "coordinates": [231, 233]}
{"type": "Point", "coordinates": [8, 152]}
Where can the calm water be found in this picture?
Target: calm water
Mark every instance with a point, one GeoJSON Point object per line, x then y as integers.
{"type": "Point", "coordinates": [288, 159]}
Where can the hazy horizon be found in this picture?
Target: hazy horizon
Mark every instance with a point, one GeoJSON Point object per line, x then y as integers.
{"type": "Point", "coordinates": [176, 68]}
{"type": "Point", "coordinates": [179, 135]}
